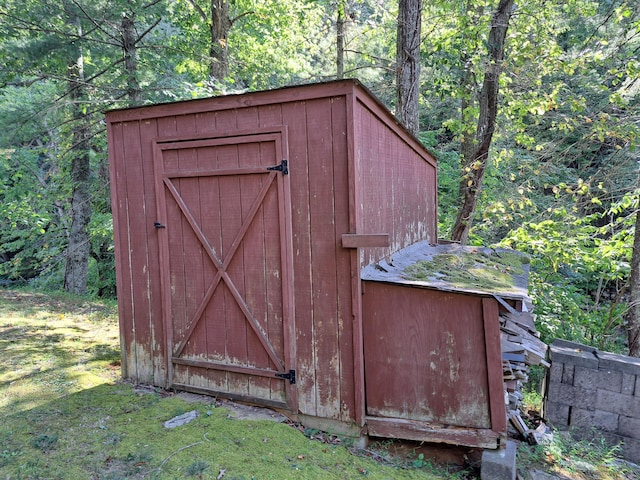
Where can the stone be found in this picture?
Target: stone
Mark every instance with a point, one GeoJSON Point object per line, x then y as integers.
{"type": "Point", "coordinates": [570, 395]}
{"type": "Point", "coordinates": [581, 418]}
{"type": "Point", "coordinates": [622, 363]}
{"type": "Point", "coordinates": [628, 384]}
{"type": "Point", "coordinates": [606, 420]}
{"type": "Point", "coordinates": [182, 419]}
{"type": "Point", "coordinates": [586, 378]}
{"type": "Point", "coordinates": [499, 464]}
{"type": "Point", "coordinates": [557, 413]}
{"type": "Point", "coordinates": [568, 374]}
{"type": "Point", "coordinates": [555, 372]}
{"type": "Point", "coordinates": [609, 380]}
{"type": "Point", "coordinates": [630, 427]}
{"type": "Point", "coordinates": [574, 354]}
{"type": "Point", "coordinates": [618, 403]}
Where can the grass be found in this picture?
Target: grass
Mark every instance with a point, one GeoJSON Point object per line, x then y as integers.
{"type": "Point", "coordinates": [65, 414]}
{"type": "Point", "coordinates": [574, 459]}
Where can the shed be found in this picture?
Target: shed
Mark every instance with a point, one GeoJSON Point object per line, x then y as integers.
{"type": "Point", "coordinates": [259, 242]}
{"type": "Point", "coordinates": [432, 320]}
{"type": "Point", "coordinates": [241, 227]}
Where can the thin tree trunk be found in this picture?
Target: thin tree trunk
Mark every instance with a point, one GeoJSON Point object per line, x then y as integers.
{"type": "Point", "coordinates": [129, 39]}
{"type": "Point", "coordinates": [471, 184]}
{"type": "Point", "coordinates": [220, 26]}
{"type": "Point", "coordinates": [340, 29]}
{"type": "Point", "coordinates": [79, 247]}
{"type": "Point", "coordinates": [408, 63]}
{"type": "Point", "coordinates": [633, 314]}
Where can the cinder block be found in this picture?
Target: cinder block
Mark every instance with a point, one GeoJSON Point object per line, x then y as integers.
{"type": "Point", "coordinates": [617, 403]}
{"type": "Point", "coordinates": [568, 374]}
{"type": "Point", "coordinates": [630, 427]}
{"type": "Point", "coordinates": [613, 361]}
{"type": "Point", "coordinates": [631, 450]}
{"type": "Point", "coordinates": [606, 421]}
{"type": "Point", "coordinates": [573, 353]}
{"type": "Point", "coordinates": [610, 380]}
{"type": "Point", "coordinates": [557, 413]}
{"type": "Point", "coordinates": [586, 378]}
{"type": "Point", "coordinates": [499, 464]}
{"type": "Point", "coordinates": [559, 342]}
{"type": "Point", "coordinates": [555, 372]}
{"type": "Point", "coordinates": [570, 395]}
{"type": "Point", "coordinates": [628, 384]}
{"type": "Point", "coordinates": [580, 418]}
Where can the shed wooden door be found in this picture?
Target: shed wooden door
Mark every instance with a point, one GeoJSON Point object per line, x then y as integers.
{"type": "Point", "coordinates": [224, 221]}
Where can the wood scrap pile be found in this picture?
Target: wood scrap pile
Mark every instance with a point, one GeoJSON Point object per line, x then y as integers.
{"type": "Point", "coordinates": [521, 348]}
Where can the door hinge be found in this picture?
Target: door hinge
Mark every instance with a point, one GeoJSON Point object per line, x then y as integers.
{"type": "Point", "coordinates": [283, 167]}
{"type": "Point", "coordinates": [291, 376]}
{"type": "Point", "coordinates": [158, 225]}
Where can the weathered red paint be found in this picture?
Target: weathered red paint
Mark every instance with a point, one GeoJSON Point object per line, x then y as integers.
{"type": "Point", "coordinates": [433, 365]}
{"type": "Point", "coordinates": [284, 294]}
{"type": "Point", "coordinates": [230, 274]}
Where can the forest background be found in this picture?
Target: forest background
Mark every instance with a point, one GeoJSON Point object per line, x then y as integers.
{"type": "Point", "coordinates": [559, 180]}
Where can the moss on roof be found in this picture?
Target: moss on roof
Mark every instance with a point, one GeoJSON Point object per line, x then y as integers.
{"type": "Point", "coordinates": [486, 270]}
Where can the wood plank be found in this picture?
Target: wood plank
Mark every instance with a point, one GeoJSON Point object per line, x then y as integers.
{"type": "Point", "coordinates": [532, 341]}
{"type": "Point", "coordinates": [211, 226]}
{"type": "Point", "coordinates": [523, 319]}
{"type": "Point", "coordinates": [138, 251]}
{"type": "Point", "coordinates": [344, 274]}
{"type": "Point", "coordinates": [434, 433]}
{"type": "Point", "coordinates": [294, 116]}
{"type": "Point", "coordinates": [158, 345]}
{"type": "Point", "coordinates": [257, 267]}
{"type": "Point", "coordinates": [323, 262]}
{"type": "Point", "coordinates": [360, 240]}
{"type": "Point", "coordinates": [276, 218]}
{"type": "Point", "coordinates": [192, 252]}
{"type": "Point", "coordinates": [284, 95]}
{"type": "Point", "coordinates": [490, 312]}
{"type": "Point", "coordinates": [117, 172]}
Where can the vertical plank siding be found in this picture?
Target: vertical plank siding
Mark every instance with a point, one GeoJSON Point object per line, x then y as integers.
{"type": "Point", "coordinates": [397, 193]}
{"type": "Point", "coordinates": [353, 170]}
{"type": "Point", "coordinates": [432, 365]}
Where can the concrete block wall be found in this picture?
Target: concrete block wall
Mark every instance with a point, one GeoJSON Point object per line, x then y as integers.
{"type": "Point", "coordinates": [588, 388]}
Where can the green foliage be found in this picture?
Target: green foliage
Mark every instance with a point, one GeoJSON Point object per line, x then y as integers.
{"type": "Point", "coordinates": [569, 454]}
{"type": "Point", "coordinates": [579, 271]}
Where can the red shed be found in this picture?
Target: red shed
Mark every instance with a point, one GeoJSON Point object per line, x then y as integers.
{"type": "Point", "coordinates": [241, 225]}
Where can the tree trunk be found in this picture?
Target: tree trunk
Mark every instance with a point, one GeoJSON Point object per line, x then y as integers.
{"type": "Point", "coordinates": [79, 246]}
{"type": "Point", "coordinates": [471, 183]}
{"type": "Point", "coordinates": [220, 26]}
{"type": "Point", "coordinates": [129, 39]}
{"type": "Point", "coordinates": [408, 63]}
{"type": "Point", "coordinates": [633, 314]}
{"type": "Point", "coordinates": [340, 28]}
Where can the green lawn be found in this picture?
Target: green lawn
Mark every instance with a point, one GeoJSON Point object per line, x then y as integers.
{"type": "Point", "coordinates": [65, 414]}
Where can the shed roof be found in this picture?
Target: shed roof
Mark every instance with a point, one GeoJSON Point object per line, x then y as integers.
{"type": "Point", "coordinates": [455, 268]}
